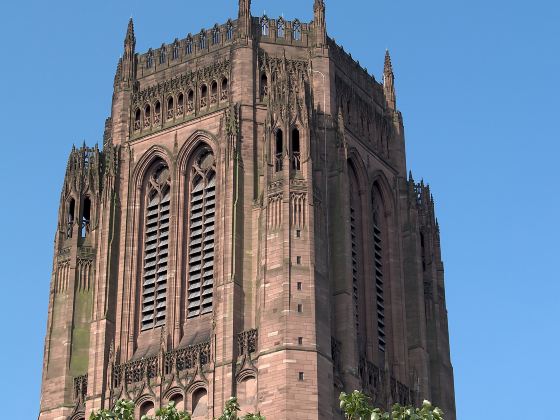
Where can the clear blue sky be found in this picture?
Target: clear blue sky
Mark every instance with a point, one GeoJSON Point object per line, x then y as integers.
{"type": "Point", "coordinates": [478, 84]}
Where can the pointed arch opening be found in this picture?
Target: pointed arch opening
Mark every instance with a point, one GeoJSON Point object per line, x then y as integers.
{"type": "Point", "coordinates": [225, 91]}
{"type": "Point", "coordinates": [296, 150]}
{"type": "Point", "coordinates": [170, 108]}
{"type": "Point", "coordinates": [265, 26]}
{"type": "Point", "coordinates": [264, 86]}
{"type": "Point", "coordinates": [85, 224]}
{"type": "Point", "coordinates": [180, 104]}
{"type": "Point", "coordinates": [157, 199]}
{"type": "Point", "coordinates": [281, 29]}
{"type": "Point", "coordinates": [379, 262]}
{"type": "Point", "coordinates": [297, 31]}
{"type": "Point", "coordinates": [190, 101]}
{"type": "Point", "coordinates": [157, 112]}
{"type": "Point", "coordinates": [279, 150]}
{"type": "Point", "coordinates": [137, 119]}
{"type": "Point", "coordinates": [201, 226]}
{"type": "Point", "coordinates": [203, 96]}
{"type": "Point", "coordinates": [70, 215]}
{"type": "Point", "coordinates": [214, 93]}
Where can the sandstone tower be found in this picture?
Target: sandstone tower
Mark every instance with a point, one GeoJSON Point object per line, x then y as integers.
{"type": "Point", "coordinates": [248, 229]}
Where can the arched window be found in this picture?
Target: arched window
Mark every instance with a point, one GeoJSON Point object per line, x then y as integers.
{"type": "Point", "coordinates": [156, 248]}
{"type": "Point", "coordinates": [215, 35]}
{"type": "Point", "coordinates": [188, 45]}
{"type": "Point", "coordinates": [176, 50]}
{"type": "Point", "coordinates": [170, 108]}
{"type": "Point", "coordinates": [265, 26]}
{"type": "Point", "coordinates": [179, 402]}
{"type": "Point", "coordinates": [281, 29]}
{"type": "Point", "coordinates": [264, 86]}
{"type": "Point", "coordinates": [70, 218]}
{"type": "Point", "coordinates": [379, 259]}
{"type": "Point", "coordinates": [202, 40]}
{"type": "Point", "coordinates": [214, 94]}
{"type": "Point", "coordinates": [147, 116]}
{"type": "Point", "coordinates": [297, 31]}
{"type": "Point", "coordinates": [137, 120]}
{"type": "Point", "coordinates": [85, 224]}
{"type": "Point", "coordinates": [199, 403]}
{"type": "Point", "coordinates": [162, 54]}
{"type": "Point", "coordinates": [225, 92]}
{"type": "Point", "coordinates": [229, 33]}
{"type": "Point", "coordinates": [149, 59]}
{"type": "Point", "coordinates": [180, 104]}
{"type": "Point", "coordinates": [296, 152]}
{"type": "Point", "coordinates": [279, 150]}
{"type": "Point", "coordinates": [157, 113]}
{"type": "Point", "coordinates": [190, 101]}
{"type": "Point", "coordinates": [357, 257]}
{"type": "Point", "coordinates": [202, 208]}
{"type": "Point", "coordinates": [203, 96]}
{"type": "Point", "coordinates": [147, 409]}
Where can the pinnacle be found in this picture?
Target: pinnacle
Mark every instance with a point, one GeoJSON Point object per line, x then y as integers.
{"type": "Point", "coordinates": [388, 64]}
{"type": "Point", "coordinates": [130, 30]}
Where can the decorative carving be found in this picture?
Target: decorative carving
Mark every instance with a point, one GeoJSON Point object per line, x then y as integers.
{"type": "Point", "coordinates": [80, 390]}
{"type": "Point", "coordinates": [247, 342]}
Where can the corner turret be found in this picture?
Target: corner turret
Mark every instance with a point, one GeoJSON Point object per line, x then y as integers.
{"type": "Point", "coordinates": [319, 23]}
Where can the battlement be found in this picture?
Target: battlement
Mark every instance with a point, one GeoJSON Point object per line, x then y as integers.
{"type": "Point", "coordinates": [283, 32]}
{"type": "Point", "coordinates": [187, 49]}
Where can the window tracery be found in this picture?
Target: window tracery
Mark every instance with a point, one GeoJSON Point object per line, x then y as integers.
{"type": "Point", "coordinates": [156, 246]}
{"type": "Point", "coordinates": [176, 50]}
{"type": "Point", "coordinates": [297, 31]}
{"type": "Point", "coordinates": [149, 59]}
{"type": "Point", "coordinates": [202, 40]}
{"type": "Point", "coordinates": [265, 26]}
{"type": "Point", "coordinates": [202, 205]}
{"type": "Point", "coordinates": [281, 28]}
{"type": "Point", "coordinates": [189, 45]}
{"type": "Point", "coordinates": [162, 54]}
{"type": "Point", "coordinates": [229, 31]}
{"type": "Point", "coordinates": [216, 35]}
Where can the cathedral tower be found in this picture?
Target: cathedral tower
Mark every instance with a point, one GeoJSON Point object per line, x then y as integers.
{"type": "Point", "coordinates": [248, 229]}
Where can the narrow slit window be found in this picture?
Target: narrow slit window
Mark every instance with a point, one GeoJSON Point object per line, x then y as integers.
{"type": "Point", "coordinates": [70, 218]}
{"type": "Point", "coordinates": [156, 249]}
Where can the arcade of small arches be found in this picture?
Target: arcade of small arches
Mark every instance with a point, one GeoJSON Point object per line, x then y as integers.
{"type": "Point", "coordinates": [154, 114]}
{"type": "Point", "coordinates": [281, 27]}
{"type": "Point", "coordinates": [294, 150]}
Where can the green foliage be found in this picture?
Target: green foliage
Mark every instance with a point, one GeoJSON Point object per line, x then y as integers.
{"type": "Point", "coordinates": [124, 410]}
{"type": "Point", "coordinates": [232, 408]}
{"type": "Point", "coordinates": [169, 412]}
{"type": "Point", "coordinates": [356, 406]}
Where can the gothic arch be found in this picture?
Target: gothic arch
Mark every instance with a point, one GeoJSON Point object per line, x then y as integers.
{"type": "Point", "coordinates": [355, 161]}
{"type": "Point", "coordinates": [193, 142]}
{"type": "Point", "coordinates": [380, 181]}
{"type": "Point", "coordinates": [147, 160]}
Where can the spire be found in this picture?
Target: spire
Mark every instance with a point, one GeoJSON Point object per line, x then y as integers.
{"type": "Point", "coordinates": [130, 39]}
{"type": "Point", "coordinates": [244, 18]}
{"type": "Point", "coordinates": [389, 83]}
{"type": "Point", "coordinates": [319, 23]}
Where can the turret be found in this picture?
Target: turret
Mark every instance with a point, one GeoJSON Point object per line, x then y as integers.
{"type": "Point", "coordinates": [319, 23]}
{"type": "Point", "coordinates": [389, 83]}
{"type": "Point", "coordinates": [244, 21]}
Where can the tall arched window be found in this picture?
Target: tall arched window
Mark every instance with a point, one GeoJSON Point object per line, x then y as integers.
{"type": "Point", "coordinates": [224, 94]}
{"type": "Point", "coordinates": [202, 210]}
{"type": "Point", "coordinates": [190, 101]}
{"type": "Point", "coordinates": [265, 26]}
{"type": "Point", "coordinates": [356, 243]}
{"type": "Point", "coordinates": [379, 250]}
{"type": "Point", "coordinates": [137, 120]}
{"type": "Point", "coordinates": [180, 104]}
{"type": "Point", "coordinates": [170, 108]}
{"type": "Point", "coordinates": [203, 97]}
{"type": "Point", "coordinates": [156, 248]}
{"type": "Point", "coordinates": [279, 150]}
{"type": "Point", "coordinates": [188, 46]}
{"type": "Point", "coordinates": [214, 94]}
{"type": "Point", "coordinates": [149, 59]}
{"type": "Point", "coordinates": [175, 50]}
{"type": "Point", "coordinates": [297, 31]}
{"type": "Point", "coordinates": [296, 151]}
{"type": "Point", "coordinates": [147, 116]}
{"type": "Point", "coordinates": [157, 113]}
{"type": "Point", "coordinates": [162, 54]}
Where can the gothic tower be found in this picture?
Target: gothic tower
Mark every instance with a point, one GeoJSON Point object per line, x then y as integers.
{"type": "Point", "coordinates": [248, 229]}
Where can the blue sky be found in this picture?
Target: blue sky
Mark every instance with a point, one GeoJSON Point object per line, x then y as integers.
{"type": "Point", "coordinates": [477, 82]}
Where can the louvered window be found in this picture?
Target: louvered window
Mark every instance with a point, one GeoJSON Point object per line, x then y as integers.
{"type": "Point", "coordinates": [355, 275]}
{"type": "Point", "coordinates": [356, 242]}
{"type": "Point", "coordinates": [202, 216]}
{"type": "Point", "coordinates": [156, 250]}
{"type": "Point", "coordinates": [379, 286]}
